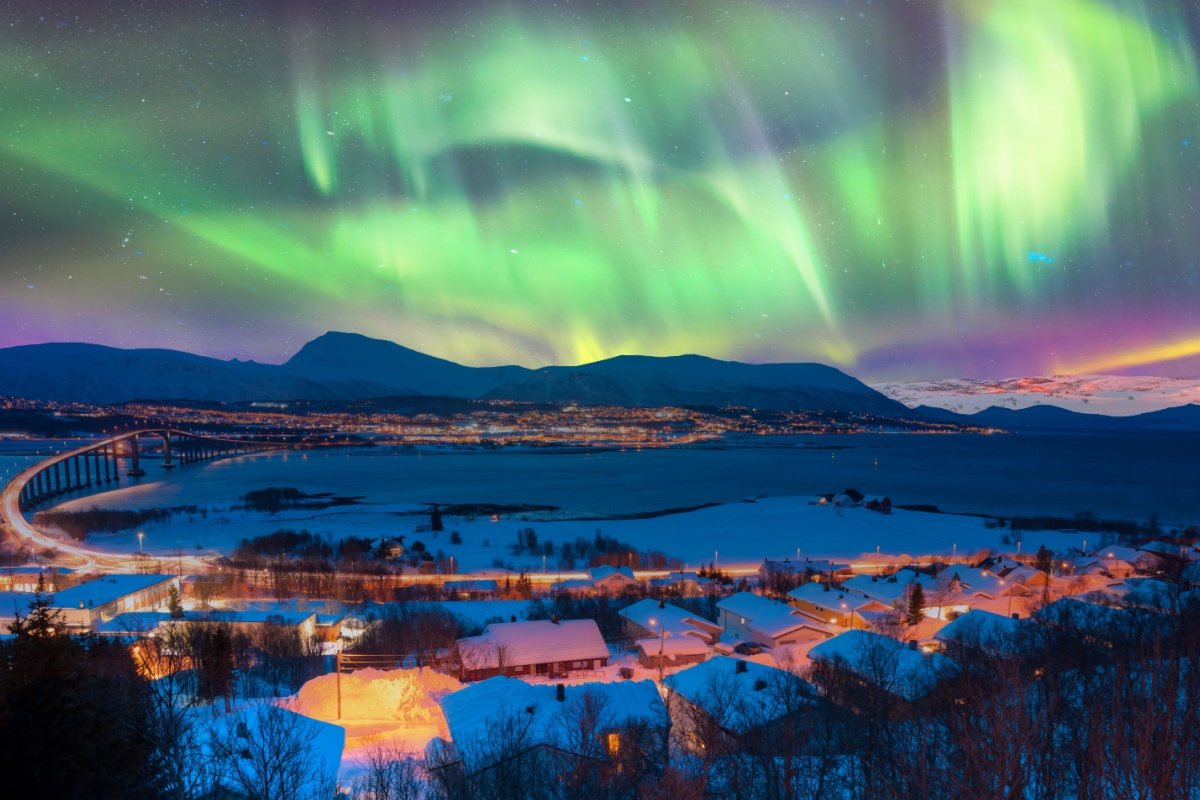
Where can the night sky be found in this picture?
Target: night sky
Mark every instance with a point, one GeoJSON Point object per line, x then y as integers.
{"type": "Point", "coordinates": [971, 188]}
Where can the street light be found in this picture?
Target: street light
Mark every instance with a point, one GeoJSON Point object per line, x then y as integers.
{"type": "Point", "coordinates": [141, 535]}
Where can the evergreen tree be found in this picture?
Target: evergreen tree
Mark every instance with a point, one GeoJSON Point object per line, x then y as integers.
{"type": "Point", "coordinates": [916, 605]}
{"type": "Point", "coordinates": [173, 604]}
{"type": "Point", "coordinates": [435, 520]}
{"type": "Point", "coordinates": [1045, 560]}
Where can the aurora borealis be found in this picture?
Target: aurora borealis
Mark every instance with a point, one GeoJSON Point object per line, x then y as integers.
{"type": "Point", "coordinates": [971, 188]}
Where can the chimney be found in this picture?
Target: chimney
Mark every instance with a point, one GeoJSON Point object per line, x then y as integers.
{"type": "Point", "coordinates": [912, 644]}
{"type": "Point", "coordinates": [740, 668]}
{"type": "Point", "coordinates": [554, 619]}
{"type": "Point", "coordinates": [759, 685]}
{"type": "Point", "coordinates": [1016, 615]}
{"type": "Point", "coordinates": [560, 692]}
{"type": "Point", "coordinates": [662, 603]}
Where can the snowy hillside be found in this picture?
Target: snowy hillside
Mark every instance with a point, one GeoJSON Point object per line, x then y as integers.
{"type": "Point", "coordinates": [358, 366]}
{"type": "Point", "coordinates": [345, 366]}
{"type": "Point", "coordinates": [1112, 395]}
{"type": "Point", "coordinates": [697, 380]}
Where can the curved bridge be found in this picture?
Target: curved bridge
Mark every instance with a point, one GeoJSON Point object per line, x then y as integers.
{"type": "Point", "coordinates": [97, 464]}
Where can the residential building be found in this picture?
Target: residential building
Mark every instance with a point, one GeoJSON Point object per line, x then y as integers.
{"type": "Point", "coordinates": [540, 647]}
{"type": "Point", "coordinates": [768, 622]}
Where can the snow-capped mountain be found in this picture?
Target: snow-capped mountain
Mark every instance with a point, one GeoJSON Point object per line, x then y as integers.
{"type": "Point", "coordinates": [341, 366]}
{"type": "Point", "coordinates": [699, 381]}
{"type": "Point", "coordinates": [1111, 395]}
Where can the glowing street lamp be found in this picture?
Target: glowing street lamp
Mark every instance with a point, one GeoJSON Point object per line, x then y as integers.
{"type": "Point", "coordinates": [141, 535]}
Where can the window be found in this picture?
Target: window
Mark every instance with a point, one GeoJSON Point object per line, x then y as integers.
{"type": "Point", "coordinates": [614, 743]}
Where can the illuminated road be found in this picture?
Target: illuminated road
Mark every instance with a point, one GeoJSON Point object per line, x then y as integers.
{"type": "Point", "coordinates": [89, 557]}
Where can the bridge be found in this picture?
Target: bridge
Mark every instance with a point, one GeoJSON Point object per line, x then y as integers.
{"type": "Point", "coordinates": [98, 464]}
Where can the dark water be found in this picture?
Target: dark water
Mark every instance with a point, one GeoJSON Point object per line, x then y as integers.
{"type": "Point", "coordinates": [1116, 476]}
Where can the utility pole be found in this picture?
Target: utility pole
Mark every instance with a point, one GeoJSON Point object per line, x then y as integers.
{"type": "Point", "coordinates": [339, 683]}
{"type": "Point", "coordinates": [662, 635]}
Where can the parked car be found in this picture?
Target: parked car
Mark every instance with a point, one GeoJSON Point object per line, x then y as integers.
{"type": "Point", "coordinates": [748, 648]}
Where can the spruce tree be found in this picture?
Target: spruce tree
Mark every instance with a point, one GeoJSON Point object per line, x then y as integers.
{"type": "Point", "coordinates": [1045, 560]}
{"type": "Point", "coordinates": [916, 605]}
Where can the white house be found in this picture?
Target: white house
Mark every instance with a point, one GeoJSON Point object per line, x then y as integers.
{"type": "Point", "coordinates": [770, 623]}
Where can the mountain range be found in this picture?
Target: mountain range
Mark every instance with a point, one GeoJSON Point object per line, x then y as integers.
{"type": "Point", "coordinates": [346, 366]}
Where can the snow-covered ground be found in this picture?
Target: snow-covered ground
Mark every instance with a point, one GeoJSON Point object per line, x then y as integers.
{"type": "Point", "coordinates": [732, 535]}
{"type": "Point", "coordinates": [1113, 395]}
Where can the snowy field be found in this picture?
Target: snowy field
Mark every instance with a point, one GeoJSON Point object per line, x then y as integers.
{"type": "Point", "coordinates": [734, 535]}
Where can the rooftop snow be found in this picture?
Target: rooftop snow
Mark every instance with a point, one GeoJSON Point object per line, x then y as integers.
{"type": "Point", "coordinates": [536, 642]}
{"type": "Point", "coordinates": [885, 662]}
{"type": "Point", "coordinates": [473, 712]}
{"type": "Point", "coordinates": [740, 701]}
{"type": "Point", "coordinates": [105, 590]}
{"type": "Point", "coordinates": [677, 621]}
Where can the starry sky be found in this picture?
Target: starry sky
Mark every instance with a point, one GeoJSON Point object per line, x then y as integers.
{"type": "Point", "coordinates": [926, 189]}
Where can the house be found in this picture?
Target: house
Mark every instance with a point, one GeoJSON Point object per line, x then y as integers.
{"type": "Point", "coordinates": [88, 604]}
{"type": "Point", "coordinates": [264, 750]}
{"type": "Point", "coordinates": [539, 647]}
{"type": "Point", "coordinates": [25, 579]}
{"type": "Point", "coordinates": [734, 700]}
{"type": "Point", "coordinates": [674, 651]}
{"type": "Point", "coordinates": [388, 548]}
{"type": "Point", "coordinates": [943, 594]}
{"type": "Point", "coordinates": [881, 504]}
{"type": "Point", "coordinates": [769, 622]}
{"type": "Point", "coordinates": [831, 604]}
{"type": "Point", "coordinates": [981, 634]}
{"type": "Point", "coordinates": [683, 584]}
{"type": "Point", "coordinates": [648, 618]}
{"type": "Point", "coordinates": [864, 670]}
{"type": "Point", "coordinates": [1100, 624]}
{"type": "Point", "coordinates": [613, 581]}
{"type": "Point", "coordinates": [251, 621]}
{"type": "Point", "coordinates": [581, 587]}
{"type": "Point", "coordinates": [470, 589]}
{"type": "Point", "coordinates": [501, 719]}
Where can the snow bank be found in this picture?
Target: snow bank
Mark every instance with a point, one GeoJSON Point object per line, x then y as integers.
{"type": "Point", "coordinates": [410, 696]}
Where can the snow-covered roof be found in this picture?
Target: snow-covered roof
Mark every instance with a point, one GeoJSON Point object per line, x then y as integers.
{"type": "Point", "coordinates": [1117, 551]}
{"type": "Point", "coordinates": [771, 618]}
{"type": "Point", "coordinates": [534, 642]}
{"type": "Point", "coordinates": [1155, 595]}
{"type": "Point", "coordinates": [105, 590]}
{"type": "Point", "coordinates": [994, 634]}
{"type": "Point", "coordinates": [601, 573]}
{"type": "Point", "coordinates": [34, 571]}
{"type": "Point", "coordinates": [132, 622]}
{"type": "Point", "coordinates": [678, 622]}
{"type": "Point", "coordinates": [978, 581]}
{"type": "Point", "coordinates": [832, 598]}
{"type": "Point", "coordinates": [884, 662]}
{"type": "Point", "coordinates": [740, 701]}
{"type": "Point", "coordinates": [1167, 549]}
{"type": "Point", "coordinates": [885, 589]}
{"type": "Point", "coordinates": [1020, 573]}
{"type": "Point", "coordinates": [476, 712]}
{"type": "Point", "coordinates": [262, 730]}
{"type": "Point", "coordinates": [673, 646]}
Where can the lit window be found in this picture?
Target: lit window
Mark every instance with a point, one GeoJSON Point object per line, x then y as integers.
{"type": "Point", "coordinates": [614, 743]}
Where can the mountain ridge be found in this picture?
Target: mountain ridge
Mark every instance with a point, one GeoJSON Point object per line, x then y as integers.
{"type": "Point", "coordinates": [348, 366]}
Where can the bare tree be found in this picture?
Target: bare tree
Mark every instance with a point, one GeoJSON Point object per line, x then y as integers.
{"type": "Point", "coordinates": [390, 774]}
{"type": "Point", "coordinates": [270, 756]}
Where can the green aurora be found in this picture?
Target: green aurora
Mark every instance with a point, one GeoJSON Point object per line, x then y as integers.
{"type": "Point", "coordinates": [973, 187]}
